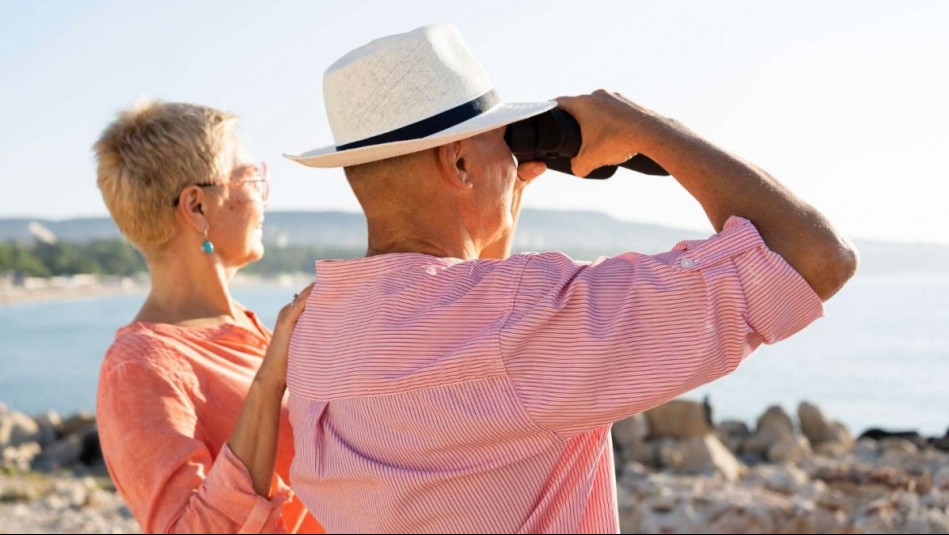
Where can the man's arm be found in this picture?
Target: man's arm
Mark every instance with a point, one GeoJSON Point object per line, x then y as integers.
{"type": "Point", "coordinates": [614, 129]}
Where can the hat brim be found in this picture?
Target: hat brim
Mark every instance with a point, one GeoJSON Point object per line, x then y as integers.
{"type": "Point", "coordinates": [501, 115]}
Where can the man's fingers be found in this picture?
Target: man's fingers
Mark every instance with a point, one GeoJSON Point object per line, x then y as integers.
{"type": "Point", "coordinates": [528, 171]}
{"type": "Point", "coordinates": [578, 168]}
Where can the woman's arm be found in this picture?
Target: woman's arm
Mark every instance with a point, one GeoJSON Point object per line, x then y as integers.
{"type": "Point", "coordinates": [254, 439]}
{"type": "Point", "coordinates": [155, 449]}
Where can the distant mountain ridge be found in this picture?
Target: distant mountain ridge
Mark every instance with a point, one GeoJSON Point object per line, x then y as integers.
{"type": "Point", "coordinates": [582, 234]}
{"type": "Point", "coordinates": [538, 230]}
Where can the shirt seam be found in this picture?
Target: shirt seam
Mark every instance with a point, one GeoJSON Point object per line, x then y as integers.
{"type": "Point", "coordinates": [507, 374]}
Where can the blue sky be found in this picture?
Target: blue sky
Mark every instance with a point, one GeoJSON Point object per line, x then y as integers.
{"type": "Point", "coordinates": [847, 103]}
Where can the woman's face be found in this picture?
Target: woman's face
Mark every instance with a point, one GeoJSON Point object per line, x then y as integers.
{"type": "Point", "coordinates": [236, 212]}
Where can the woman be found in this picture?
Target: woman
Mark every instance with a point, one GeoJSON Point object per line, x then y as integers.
{"type": "Point", "coordinates": [190, 406]}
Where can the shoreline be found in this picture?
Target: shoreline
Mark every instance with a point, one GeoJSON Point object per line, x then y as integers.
{"type": "Point", "coordinates": [59, 289]}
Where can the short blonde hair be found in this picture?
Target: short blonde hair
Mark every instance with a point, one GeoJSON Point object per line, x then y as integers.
{"type": "Point", "coordinates": [149, 154]}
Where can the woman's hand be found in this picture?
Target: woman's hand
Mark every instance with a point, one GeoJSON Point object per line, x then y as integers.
{"type": "Point", "coordinates": [273, 371]}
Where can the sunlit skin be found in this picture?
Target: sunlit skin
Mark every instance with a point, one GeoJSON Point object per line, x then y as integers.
{"type": "Point", "coordinates": [190, 289]}
{"type": "Point", "coordinates": [459, 200]}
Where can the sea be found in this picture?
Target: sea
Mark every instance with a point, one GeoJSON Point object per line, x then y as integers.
{"type": "Point", "coordinates": [879, 358]}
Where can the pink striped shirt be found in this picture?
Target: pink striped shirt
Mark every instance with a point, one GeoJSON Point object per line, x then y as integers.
{"type": "Point", "coordinates": [439, 395]}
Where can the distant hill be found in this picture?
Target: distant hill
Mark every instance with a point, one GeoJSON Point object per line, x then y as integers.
{"type": "Point", "coordinates": [585, 235]}
{"type": "Point", "coordinates": [538, 230]}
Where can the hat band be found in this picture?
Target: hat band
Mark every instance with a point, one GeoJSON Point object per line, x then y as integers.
{"type": "Point", "coordinates": [432, 125]}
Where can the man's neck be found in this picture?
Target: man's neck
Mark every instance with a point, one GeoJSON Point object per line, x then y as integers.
{"type": "Point", "coordinates": [445, 241]}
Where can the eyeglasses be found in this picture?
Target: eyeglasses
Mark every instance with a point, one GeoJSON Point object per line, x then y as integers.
{"type": "Point", "coordinates": [261, 182]}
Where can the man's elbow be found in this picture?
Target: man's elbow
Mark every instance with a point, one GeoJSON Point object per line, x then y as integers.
{"type": "Point", "coordinates": [836, 266]}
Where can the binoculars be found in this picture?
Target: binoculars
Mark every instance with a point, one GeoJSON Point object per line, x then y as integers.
{"type": "Point", "coordinates": [554, 137]}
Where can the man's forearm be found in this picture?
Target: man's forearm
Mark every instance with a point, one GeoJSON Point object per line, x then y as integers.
{"type": "Point", "coordinates": [726, 185]}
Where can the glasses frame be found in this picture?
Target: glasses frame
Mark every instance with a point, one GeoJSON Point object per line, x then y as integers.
{"type": "Point", "coordinates": [261, 183]}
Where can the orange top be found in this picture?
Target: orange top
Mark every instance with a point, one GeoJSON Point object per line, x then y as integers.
{"type": "Point", "coordinates": [168, 401]}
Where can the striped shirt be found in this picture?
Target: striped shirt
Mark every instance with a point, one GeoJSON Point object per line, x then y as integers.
{"type": "Point", "coordinates": [440, 395]}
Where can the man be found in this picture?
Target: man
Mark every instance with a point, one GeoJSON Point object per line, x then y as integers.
{"type": "Point", "coordinates": [437, 386]}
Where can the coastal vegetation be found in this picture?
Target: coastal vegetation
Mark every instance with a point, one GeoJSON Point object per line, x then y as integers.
{"type": "Point", "coordinates": [119, 258]}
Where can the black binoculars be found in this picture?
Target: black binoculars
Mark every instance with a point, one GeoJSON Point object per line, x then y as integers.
{"type": "Point", "coordinates": [554, 137]}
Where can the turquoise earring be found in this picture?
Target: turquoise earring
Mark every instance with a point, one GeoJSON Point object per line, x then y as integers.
{"type": "Point", "coordinates": [207, 247]}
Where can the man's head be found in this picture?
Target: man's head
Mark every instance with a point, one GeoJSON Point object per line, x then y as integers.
{"type": "Point", "coordinates": [464, 192]}
{"type": "Point", "coordinates": [420, 131]}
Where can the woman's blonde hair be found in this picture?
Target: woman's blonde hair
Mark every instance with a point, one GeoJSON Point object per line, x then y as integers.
{"type": "Point", "coordinates": [149, 154]}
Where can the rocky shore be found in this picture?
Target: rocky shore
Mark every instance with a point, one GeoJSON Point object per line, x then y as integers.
{"type": "Point", "coordinates": [678, 471]}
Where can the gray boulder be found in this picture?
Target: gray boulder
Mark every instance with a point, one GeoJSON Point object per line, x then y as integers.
{"type": "Point", "coordinates": [679, 418]}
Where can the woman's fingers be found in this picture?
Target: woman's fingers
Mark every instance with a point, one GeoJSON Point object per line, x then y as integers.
{"type": "Point", "coordinates": [290, 313]}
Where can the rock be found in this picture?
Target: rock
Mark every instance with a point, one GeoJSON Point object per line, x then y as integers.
{"type": "Point", "coordinates": [732, 433]}
{"type": "Point", "coordinates": [60, 454]}
{"type": "Point", "coordinates": [775, 417]}
{"type": "Point", "coordinates": [819, 429]}
{"type": "Point", "coordinates": [900, 445]}
{"type": "Point", "coordinates": [880, 434]}
{"type": "Point", "coordinates": [20, 457]}
{"type": "Point", "coordinates": [757, 512]}
{"type": "Point", "coordinates": [941, 444]}
{"type": "Point", "coordinates": [832, 449]}
{"type": "Point", "coordinates": [788, 449]}
{"type": "Point", "coordinates": [91, 449]}
{"type": "Point", "coordinates": [941, 478]}
{"type": "Point", "coordinates": [632, 430]}
{"type": "Point", "coordinates": [706, 455]}
{"type": "Point", "coordinates": [758, 445]}
{"type": "Point", "coordinates": [641, 452]}
{"type": "Point", "coordinates": [633, 470]}
{"type": "Point", "coordinates": [878, 516]}
{"type": "Point", "coordinates": [732, 428]}
{"type": "Point", "coordinates": [829, 521]}
{"type": "Point", "coordinates": [49, 426]}
{"type": "Point", "coordinates": [76, 423]}
{"type": "Point", "coordinates": [17, 428]}
{"type": "Point", "coordinates": [664, 515]}
{"type": "Point", "coordinates": [898, 453]}
{"type": "Point", "coordinates": [678, 418]}
{"type": "Point", "coordinates": [866, 451]}
{"type": "Point", "coordinates": [927, 521]}
{"type": "Point", "coordinates": [669, 453]}
{"type": "Point", "coordinates": [12, 491]}
{"type": "Point", "coordinates": [785, 479]}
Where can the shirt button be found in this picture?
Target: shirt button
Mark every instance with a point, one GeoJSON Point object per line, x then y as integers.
{"type": "Point", "coordinates": [687, 263]}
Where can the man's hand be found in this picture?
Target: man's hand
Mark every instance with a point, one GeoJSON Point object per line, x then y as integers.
{"type": "Point", "coordinates": [614, 129]}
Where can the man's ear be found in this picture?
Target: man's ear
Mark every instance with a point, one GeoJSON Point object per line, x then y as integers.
{"type": "Point", "coordinates": [451, 163]}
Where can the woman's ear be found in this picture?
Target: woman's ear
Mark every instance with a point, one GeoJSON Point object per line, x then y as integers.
{"type": "Point", "coordinates": [451, 162]}
{"type": "Point", "coordinates": [191, 208]}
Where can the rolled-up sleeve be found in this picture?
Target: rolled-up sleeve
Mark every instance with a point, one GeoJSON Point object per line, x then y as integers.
{"type": "Point", "coordinates": [589, 344]}
{"type": "Point", "coordinates": [169, 478]}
